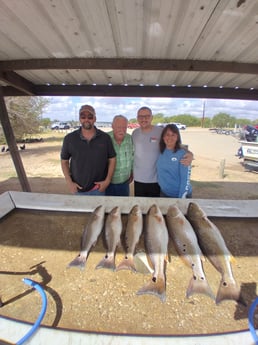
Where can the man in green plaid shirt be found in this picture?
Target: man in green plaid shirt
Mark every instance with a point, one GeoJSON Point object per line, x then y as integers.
{"type": "Point", "coordinates": [123, 146]}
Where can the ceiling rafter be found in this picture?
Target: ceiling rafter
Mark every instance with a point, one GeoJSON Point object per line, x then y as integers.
{"type": "Point", "coordinates": [18, 82]}
{"type": "Point", "coordinates": [130, 64]}
{"type": "Point", "coordinates": [137, 91]}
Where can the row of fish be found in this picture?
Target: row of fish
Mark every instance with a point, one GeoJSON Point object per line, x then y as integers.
{"type": "Point", "coordinates": [193, 236]}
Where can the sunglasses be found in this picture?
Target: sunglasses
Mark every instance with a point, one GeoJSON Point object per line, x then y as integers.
{"type": "Point", "coordinates": [144, 117]}
{"type": "Point", "coordinates": [89, 116]}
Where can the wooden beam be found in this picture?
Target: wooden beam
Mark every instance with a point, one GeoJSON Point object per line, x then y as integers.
{"type": "Point", "coordinates": [139, 91]}
{"type": "Point", "coordinates": [130, 64]}
{"type": "Point", "coordinates": [20, 83]}
{"type": "Point", "coordinates": [11, 142]}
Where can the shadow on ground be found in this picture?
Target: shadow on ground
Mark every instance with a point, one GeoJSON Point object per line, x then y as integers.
{"type": "Point", "coordinates": [201, 190]}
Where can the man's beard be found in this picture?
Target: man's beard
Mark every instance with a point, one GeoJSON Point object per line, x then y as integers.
{"type": "Point", "coordinates": [87, 125]}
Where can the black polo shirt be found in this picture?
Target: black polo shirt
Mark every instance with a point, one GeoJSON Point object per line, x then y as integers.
{"type": "Point", "coordinates": [88, 159]}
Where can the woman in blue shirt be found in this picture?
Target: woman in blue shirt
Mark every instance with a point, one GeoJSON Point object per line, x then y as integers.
{"type": "Point", "coordinates": [173, 177]}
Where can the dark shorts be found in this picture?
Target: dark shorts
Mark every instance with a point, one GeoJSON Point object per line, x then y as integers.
{"type": "Point", "coordinates": [146, 189]}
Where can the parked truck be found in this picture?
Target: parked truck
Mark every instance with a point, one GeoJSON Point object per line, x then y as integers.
{"type": "Point", "coordinates": [248, 150]}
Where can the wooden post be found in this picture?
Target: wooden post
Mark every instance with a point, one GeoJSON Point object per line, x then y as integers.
{"type": "Point", "coordinates": [11, 142]}
{"type": "Point", "coordinates": [222, 168]}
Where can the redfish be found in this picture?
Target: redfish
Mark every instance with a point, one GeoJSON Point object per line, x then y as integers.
{"type": "Point", "coordinates": [90, 236]}
{"type": "Point", "coordinates": [186, 243]}
{"type": "Point", "coordinates": [132, 235]}
{"type": "Point", "coordinates": [215, 248]}
{"type": "Point", "coordinates": [113, 230]}
{"type": "Point", "coordinates": [156, 243]}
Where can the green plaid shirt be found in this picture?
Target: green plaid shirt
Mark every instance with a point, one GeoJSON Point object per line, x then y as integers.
{"type": "Point", "coordinates": [124, 159]}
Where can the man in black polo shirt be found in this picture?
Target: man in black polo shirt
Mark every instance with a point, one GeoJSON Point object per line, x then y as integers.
{"type": "Point", "coordinates": [88, 156]}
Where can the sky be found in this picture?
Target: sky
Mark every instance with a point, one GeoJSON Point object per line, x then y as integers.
{"type": "Point", "coordinates": [66, 108]}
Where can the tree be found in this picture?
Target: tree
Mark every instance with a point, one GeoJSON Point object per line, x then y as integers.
{"type": "Point", "coordinates": [25, 114]}
{"type": "Point", "coordinates": [45, 122]}
{"type": "Point", "coordinates": [223, 120]}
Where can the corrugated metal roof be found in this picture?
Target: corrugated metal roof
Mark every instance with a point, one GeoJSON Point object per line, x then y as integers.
{"type": "Point", "coordinates": [173, 44]}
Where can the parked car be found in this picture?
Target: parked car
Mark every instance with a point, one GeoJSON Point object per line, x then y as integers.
{"type": "Point", "coordinates": [60, 125]}
{"type": "Point", "coordinates": [162, 124]}
{"type": "Point", "coordinates": [180, 125]}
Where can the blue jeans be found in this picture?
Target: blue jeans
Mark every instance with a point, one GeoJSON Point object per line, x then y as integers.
{"type": "Point", "coordinates": [119, 189]}
{"type": "Point", "coordinates": [92, 192]}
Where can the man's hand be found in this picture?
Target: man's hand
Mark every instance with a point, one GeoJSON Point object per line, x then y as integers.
{"type": "Point", "coordinates": [73, 187]}
{"type": "Point", "coordinates": [187, 159]}
{"type": "Point", "coordinates": [102, 185]}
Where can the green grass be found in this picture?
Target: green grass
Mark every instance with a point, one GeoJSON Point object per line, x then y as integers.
{"type": "Point", "coordinates": [200, 184]}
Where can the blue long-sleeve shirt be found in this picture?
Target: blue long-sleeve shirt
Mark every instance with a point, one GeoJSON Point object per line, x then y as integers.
{"type": "Point", "coordinates": [173, 177]}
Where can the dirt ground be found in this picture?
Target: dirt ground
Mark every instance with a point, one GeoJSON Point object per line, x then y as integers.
{"type": "Point", "coordinates": [42, 165]}
{"type": "Point", "coordinates": [39, 245]}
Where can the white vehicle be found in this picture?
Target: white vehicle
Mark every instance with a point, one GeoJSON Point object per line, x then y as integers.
{"type": "Point", "coordinates": [61, 125]}
{"type": "Point", "coordinates": [249, 152]}
{"type": "Point", "coordinates": [180, 125]}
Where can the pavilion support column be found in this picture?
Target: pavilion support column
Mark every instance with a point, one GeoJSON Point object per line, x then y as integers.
{"type": "Point", "coordinates": [11, 142]}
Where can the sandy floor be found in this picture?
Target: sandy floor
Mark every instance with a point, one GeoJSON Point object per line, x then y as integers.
{"type": "Point", "coordinates": [40, 245]}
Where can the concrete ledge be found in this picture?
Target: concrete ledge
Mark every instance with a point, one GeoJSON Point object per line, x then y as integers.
{"type": "Point", "coordinates": [72, 203]}
{"type": "Point", "coordinates": [13, 331]}
{"type": "Point", "coordinates": [6, 204]}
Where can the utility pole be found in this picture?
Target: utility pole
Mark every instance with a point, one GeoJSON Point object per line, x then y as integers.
{"type": "Point", "coordinates": [203, 112]}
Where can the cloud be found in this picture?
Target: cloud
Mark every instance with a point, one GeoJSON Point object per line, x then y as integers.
{"type": "Point", "coordinates": [67, 108]}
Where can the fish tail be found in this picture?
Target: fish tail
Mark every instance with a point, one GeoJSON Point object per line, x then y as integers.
{"type": "Point", "coordinates": [228, 290]}
{"type": "Point", "coordinates": [199, 286]}
{"type": "Point", "coordinates": [156, 287]}
{"type": "Point", "coordinates": [79, 261]}
{"type": "Point", "coordinates": [107, 262]}
{"type": "Point", "coordinates": [127, 264]}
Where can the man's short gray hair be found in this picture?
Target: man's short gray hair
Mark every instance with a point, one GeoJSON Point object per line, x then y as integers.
{"type": "Point", "coordinates": [116, 117]}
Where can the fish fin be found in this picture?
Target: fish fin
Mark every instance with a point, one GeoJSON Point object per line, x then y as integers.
{"type": "Point", "coordinates": [199, 286]}
{"type": "Point", "coordinates": [167, 261]}
{"type": "Point", "coordinates": [203, 258]}
{"type": "Point", "coordinates": [94, 243]}
{"type": "Point", "coordinates": [126, 264]}
{"type": "Point", "coordinates": [185, 260]}
{"type": "Point", "coordinates": [107, 262]}
{"type": "Point", "coordinates": [156, 287]}
{"type": "Point", "coordinates": [232, 259]}
{"type": "Point", "coordinates": [141, 263]}
{"type": "Point", "coordinates": [229, 291]}
{"type": "Point", "coordinates": [79, 261]}
{"type": "Point", "coordinates": [119, 244]}
{"type": "Point", "coordinates": [149, 262]}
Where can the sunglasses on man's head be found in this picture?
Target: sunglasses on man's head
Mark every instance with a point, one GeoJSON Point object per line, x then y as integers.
{"type": "Point", "coordinates": [87, 116]}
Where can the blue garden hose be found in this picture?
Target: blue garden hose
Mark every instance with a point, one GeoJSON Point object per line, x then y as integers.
{"type": "Point", "coordinates": [251, 320]}
{"type": "Point", "coordinates": [42, 312]}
